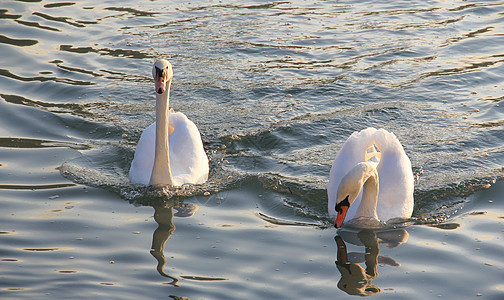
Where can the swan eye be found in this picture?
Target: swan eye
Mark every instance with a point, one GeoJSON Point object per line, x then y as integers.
{"type": "Point", "coordinates": [339, 205]}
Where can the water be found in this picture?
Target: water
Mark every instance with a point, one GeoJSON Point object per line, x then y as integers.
{"type": "Point", "coordinates": [275, 89]}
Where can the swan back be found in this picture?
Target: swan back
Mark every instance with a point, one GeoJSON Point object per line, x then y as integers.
{"type": "Point", "coordinates": [188, 160]}
{"type": "Point", "coordinates": [395, 197]}
{"type": "Point", "coordinates": [396, 178]}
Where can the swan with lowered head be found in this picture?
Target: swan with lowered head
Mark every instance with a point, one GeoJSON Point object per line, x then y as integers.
{"type": "Point", "coordinates": [371, 178]}
{"type": "Point", "coordinates": [170, 151]}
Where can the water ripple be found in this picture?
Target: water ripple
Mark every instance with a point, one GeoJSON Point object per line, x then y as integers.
{"type": "Point", "coordinates": [57, 5]}
{"type": "Point", "coordinates": [35, 187]}
{"type": "Point", "coordinates": [37, 25]}
{"type": "Point", "coordinates": [132, 11]}
{"type": "Point", "coordinates": [5, 15]}
{"type": "Point", "coordinates": [105, 51]}
{"type": "Point", "coordinates": [17, 42]}
{"type": "Point", "coordinates": [35, 143]}
{"type": "Point", "coordinates": [65, 20]}
{"type": "Point", "coordinates": [9, 74]}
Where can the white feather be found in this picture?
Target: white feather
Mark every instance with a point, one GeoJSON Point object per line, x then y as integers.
{"type": "Point", "coordinates": [395, 196]}
{"type": "Point", "coordinates": [188, 160]}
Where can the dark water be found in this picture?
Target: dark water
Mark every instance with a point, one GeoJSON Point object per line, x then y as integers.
{"type": "Point", "coordinates": [275, 88]}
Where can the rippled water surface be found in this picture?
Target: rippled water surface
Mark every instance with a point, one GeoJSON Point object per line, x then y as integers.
{"type": "Point", "coordinates": [275, 89]}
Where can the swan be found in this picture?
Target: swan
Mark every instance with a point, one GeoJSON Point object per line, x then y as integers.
{"type": "Point", "coordinates": [372, 160]}
{"type": "Point", "coordinates": [170, 151]}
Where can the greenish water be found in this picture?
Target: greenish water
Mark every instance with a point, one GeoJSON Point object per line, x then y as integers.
{"type": "Point", "coordinates": [275, 89]}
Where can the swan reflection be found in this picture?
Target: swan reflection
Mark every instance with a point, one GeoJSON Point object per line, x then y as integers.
{"type": "Point", "coordinates": [356, 280]}
{"type": "Point", "coordinates": [163, 215]}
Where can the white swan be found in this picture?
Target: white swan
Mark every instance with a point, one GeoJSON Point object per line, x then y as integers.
{"type": "Point", "coordinates": [174, 160]}
{"type": "Point", "coordinates": [374, 161]}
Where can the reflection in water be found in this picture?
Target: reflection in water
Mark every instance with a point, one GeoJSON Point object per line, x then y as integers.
{"type": "Point", "coordinates": [163, 215]}
{"type": "Point", "coordinates": [355, 280]}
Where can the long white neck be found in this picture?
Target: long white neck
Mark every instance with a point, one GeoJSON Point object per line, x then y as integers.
{"type": "Point", "coordinates": [161, 172]}
{"type": "Point", "coordinates": [367, 207]}
{"type": "Point", "coordinates": [362, 176]}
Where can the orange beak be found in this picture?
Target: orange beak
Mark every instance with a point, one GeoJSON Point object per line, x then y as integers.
{"type": "Point", "coordinates": [340, 217]}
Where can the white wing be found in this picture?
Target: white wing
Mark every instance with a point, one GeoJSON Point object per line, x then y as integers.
{"type": "Point", "coordinates": [188, 160]}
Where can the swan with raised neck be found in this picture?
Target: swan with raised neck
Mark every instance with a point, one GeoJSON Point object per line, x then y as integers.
{"type": "Point", "coordinates": [170, 151]}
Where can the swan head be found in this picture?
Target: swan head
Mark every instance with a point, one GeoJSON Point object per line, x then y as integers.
{"type": "Point", "coordinates": [341, 209]}
{"type": "Point", "coordinates": [350, 187]}
{"type": "Point", "coordinates": [163, 73]}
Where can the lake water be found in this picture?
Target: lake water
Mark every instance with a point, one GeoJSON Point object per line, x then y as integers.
{"type": "Point", "coordinates": [275, 89]}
